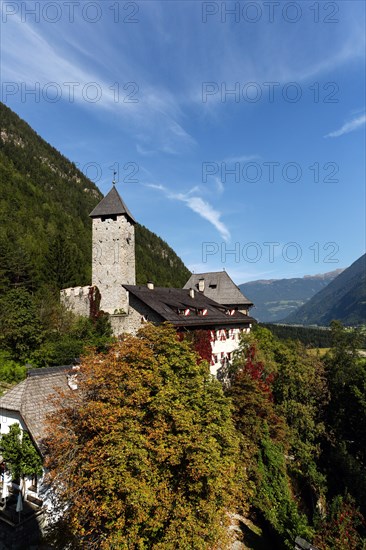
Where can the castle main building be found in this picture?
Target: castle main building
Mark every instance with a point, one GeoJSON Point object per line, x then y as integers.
{"type": "Point", "coordinates": [130, 305]}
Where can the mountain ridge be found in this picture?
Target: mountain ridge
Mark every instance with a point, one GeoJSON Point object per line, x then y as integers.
{"type": "Point", "coordinates": [274, 299]}
{"type": "Point", "coordinates": [317, 276]}
{"type": "Point", "coordinates": [344, 299]}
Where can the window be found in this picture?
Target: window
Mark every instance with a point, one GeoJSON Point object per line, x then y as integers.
{"type": "Point", "coordinates": [184, 312]}
{"type": "Point", "coordinates": [34, 484]}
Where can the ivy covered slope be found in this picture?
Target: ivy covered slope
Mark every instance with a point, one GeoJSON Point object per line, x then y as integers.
{"type": "Point", "coordinates": [45, 235]}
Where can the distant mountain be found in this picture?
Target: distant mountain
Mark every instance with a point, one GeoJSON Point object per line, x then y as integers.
{"type": "Point", "coordinates": [45, 231]}
{"type": "Point", "coordinates": [274, 299]}
{"type": "Point", "coordinates": [343, 299]}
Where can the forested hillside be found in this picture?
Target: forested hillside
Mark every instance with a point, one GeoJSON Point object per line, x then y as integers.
{"type": "Point", "coordinates": [45, 234]}
{"type": "Point", "coordinates": [344, 299]}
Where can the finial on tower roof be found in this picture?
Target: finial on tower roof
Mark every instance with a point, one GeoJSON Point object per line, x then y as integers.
{"type": "Point", "coordinates": [114, 178]}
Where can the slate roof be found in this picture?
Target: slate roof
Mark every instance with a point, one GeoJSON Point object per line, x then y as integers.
{"type": "Point", "coordinates": [111, 204]}
{"type": "Point", "coordinates": [31, 398]}
{"type": "Point", "coordinates": [219, 287]}
{"type": "Point", "coordinates": [167, 301]}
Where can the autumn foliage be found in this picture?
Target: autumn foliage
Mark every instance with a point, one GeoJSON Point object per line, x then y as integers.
{"type": "Point", "coordinates": [150, 452]}
{"type": "Point", "coordinates": [340, 528]}
{"type": "Point", "coordinates": [201, 342]}
{"type": "Point", "coordinates": [143, 454]}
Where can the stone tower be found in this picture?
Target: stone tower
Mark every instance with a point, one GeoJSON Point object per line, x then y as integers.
{"type": "Point", "coordinates": [113, 252]}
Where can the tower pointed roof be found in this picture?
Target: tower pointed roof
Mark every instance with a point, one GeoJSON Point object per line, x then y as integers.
{"type": "Point", "coordinates": [112, 205]}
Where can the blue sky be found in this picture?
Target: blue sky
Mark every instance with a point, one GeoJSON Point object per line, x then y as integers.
{"type": "Point", "coordinates": [237, 128]}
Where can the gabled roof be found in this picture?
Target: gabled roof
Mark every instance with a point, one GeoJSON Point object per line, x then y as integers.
{"type": "Point", "coordinates": [111, 205]}
{"type": "Point", "coordinates": [219, 287]}
{"type": "Point", "coordinates": [32, 398]}
{"type": "Point", "coordinates": [167, 302]}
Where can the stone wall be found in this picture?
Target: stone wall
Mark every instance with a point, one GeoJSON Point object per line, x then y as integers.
{"type": "Point", "coordinates": [119, 324]}
{"type": "Point", "coordinates": [138, 314]}
{"type": "Point", "coordinates": [76, 299]}
{"type": "Point", "coordinates": [113, 262]}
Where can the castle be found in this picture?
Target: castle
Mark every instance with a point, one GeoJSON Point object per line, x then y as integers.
{"type": "Point", "coordinates": [209, 301]}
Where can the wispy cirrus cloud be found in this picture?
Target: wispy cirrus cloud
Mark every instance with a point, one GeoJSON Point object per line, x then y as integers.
{"type": "Point", "coordinates": [348, 127]}
{"type": "Point", "coordinates": [55, 66]}
{"type": "Point", "coordinates": [143, 151]}
{"type": "Point", "coordinates": [242, 158]}
{"type": "Point", "coordinates": [219, 185]}
{"type": "Point", "coordinates": [197, 205]}
{"type": "Point", "coordinates": [206, 211]}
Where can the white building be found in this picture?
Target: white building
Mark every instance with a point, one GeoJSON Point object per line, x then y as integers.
{"type": "Point", "coordinates": [28, 404]}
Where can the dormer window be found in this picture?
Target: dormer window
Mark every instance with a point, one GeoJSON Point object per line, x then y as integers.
{"type": "Point", "coordinates": [212, 286]}
{"type": "Point", "coordinates": [184, 312]}
{"type": "Point", "coordinates": [202, 312]}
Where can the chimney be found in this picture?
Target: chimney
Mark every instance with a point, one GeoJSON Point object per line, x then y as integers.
{"type": "Point", "coordinates": [191, 292]}
{"type": "Point", "coordinates": [150, 285]}
{"type": "Point", "coordinates": [72, 380]}
{"type": "Point", "coordinates": [201, 285]}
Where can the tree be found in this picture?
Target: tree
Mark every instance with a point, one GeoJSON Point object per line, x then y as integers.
{"type": "Point", "coordinates": [346, 374]}
{"type": "Point", "coordinates": [340, 529]}
{"type": "Point", "coordinates": [300, 395]}
{"type": "Point", "coordinates": [16, 266]}
{"type": "Point", "coordinates": [143, 454]}
{"type": "Point", "coordinates": [10, 371]}
{"type": "Point", "coordinates": [74, 335]}
{"type": "Point", "coordinates": [63, 262]}
{"type": "Point", "coordinates": [20, 327]}
{"type": "Point", "coordinates": [344, 453]}
{"type": "Point", "coordinates": [323, 407]}
{"type": "Point", "coordinates": [264, 443]}
{"type": "Point", "coordinates": [19, 454]}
